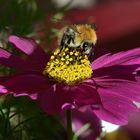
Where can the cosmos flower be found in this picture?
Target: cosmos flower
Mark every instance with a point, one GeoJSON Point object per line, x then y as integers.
{"type": "Point", "coordinates": [67, 79]}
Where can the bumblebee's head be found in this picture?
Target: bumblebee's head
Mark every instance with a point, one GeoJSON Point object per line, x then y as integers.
{"type": "Point", "coordinates": [78, 36]}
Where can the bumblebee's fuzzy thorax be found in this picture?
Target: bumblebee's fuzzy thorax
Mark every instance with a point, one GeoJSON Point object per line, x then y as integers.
{"type": "Point", "coordinates": [85, 32]}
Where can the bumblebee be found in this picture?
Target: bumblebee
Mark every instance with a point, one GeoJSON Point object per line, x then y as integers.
{"type": "Point", "coordinates": [82, 37]}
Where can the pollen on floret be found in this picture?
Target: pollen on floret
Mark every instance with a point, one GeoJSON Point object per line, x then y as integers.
{"type": "Point", "coordinates": [69, 66]}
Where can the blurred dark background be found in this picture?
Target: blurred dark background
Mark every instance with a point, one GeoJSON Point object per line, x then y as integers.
{"type": "Point", "coordinates": [117, 21]}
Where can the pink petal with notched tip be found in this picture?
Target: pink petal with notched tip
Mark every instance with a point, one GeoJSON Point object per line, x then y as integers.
{"type": "Point", "coordinates": [115, 109]}
{"type": "Point", "coordinates": [117, 98]}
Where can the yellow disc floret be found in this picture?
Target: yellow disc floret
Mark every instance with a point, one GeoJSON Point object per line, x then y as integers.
{"type": "Point", "coordinates": [68, 66]}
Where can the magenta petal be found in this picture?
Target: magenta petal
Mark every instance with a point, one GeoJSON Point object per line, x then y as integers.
{"type": "Point", "coordinates": [55, 98]}
{"type": "Point", "coordinates": [130, 57]}
{"type": "Point", "coordinates": [110, 116]}
{"type": "Point", "coordinates": [118, 71]}
{"type": "Point", "coordinates": [125, 88]}
{"type": "Point", "coordinates": [3, 90]}
{"type": "Point", "coordinates": [85, 94]}
{"type": "Point", "coordinates": [10, 60]}
{"type": "Point", "coordinates": [28, 46]}
{"type": "Point", "coordinates": [117, 98]}
{"type": "Point", "coordinates": [115, 109]}
{"type": "Point", "coordinates": [80, 119]}
{"type": "Point", "coordinates": [66, 106]}
{"type": "Point", "coordinates": [26, 84]}
{"type": "Point", "coordinates": [33, 96]}
{"type": "Point", "coordinates": [31, 48]}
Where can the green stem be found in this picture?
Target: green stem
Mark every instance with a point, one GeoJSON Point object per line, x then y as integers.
{"type": "Point", "coordinates": [7, 123]}
{"type": "Point", "coordinates": [69, 124]}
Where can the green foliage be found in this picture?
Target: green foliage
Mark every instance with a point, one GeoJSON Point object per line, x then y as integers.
{"type": "Point", "coordinates": [18, 15]}
{"type": "Point", "coordinates": [22, 119]}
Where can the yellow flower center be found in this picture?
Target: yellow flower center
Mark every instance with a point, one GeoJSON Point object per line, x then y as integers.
{"type": "Point", "coordinates": [69, 66]}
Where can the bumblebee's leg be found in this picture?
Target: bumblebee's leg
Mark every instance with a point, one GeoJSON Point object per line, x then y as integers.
{"type": "Point", "coordinates": [62, 43]}
{"type": "Point", "coordinates": [91, 54]}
